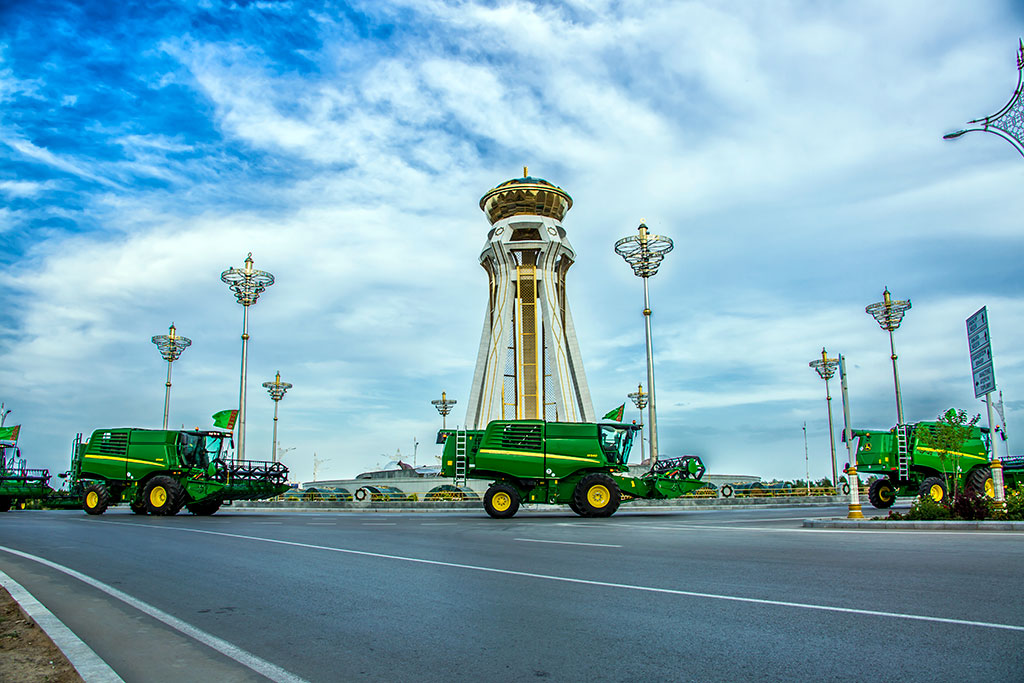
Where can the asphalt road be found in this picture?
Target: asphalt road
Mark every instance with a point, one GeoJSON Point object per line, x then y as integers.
{"type": "Point", "coordinates": [674, 596]}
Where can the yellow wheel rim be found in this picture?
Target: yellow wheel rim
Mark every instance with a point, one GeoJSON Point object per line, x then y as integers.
{"type": "Point", "coordinates": [885, 494]}
{"type": "Point", "coordinates": [598, 496]}
{"type": "Point", "coordinates": [92, 499]}
{"type": "Point", "coordinates": [936, 492]}
{"type": "Point", "coordinates": [158, 496]}
{"type": "Point", "coordinates": [501, 501]}
{"type": "Point", "coordinates": [990, 488]}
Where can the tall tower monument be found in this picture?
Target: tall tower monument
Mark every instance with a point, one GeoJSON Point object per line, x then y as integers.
{"type": "Point", "coordinates": [529, 364]}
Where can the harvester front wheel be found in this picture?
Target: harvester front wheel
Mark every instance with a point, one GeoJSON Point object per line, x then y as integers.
{"type": "Point", "coordinates": [96, 499]}
{"type": "Point", "coordinates": [5, 504]}
{"type": "Point", "coordinates": [934, 488]}
{"type": "Point", "coordinates": [501, 501]}
{"type": "Point", "coordinates": [138, 507]}
{"type": "Point", "coordinates": [980, 481]}
{"type": "Point", "coordinates": [881, 494]}
{"type": "Point", "coordinates": [207, 507]}
{"type": "Point", "coordinates": [597, 495]}
{"type": "Point", "coordinates": [574, 507]}
{"type": "Point", "coordinates": [163, 496]}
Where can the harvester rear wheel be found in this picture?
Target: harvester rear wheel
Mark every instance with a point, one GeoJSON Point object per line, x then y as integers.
{"type": "Point", "coordinates": [501, 501]}
{"type": "Point", "coordinates": [207, 507]}
{"type": "Point", "coordinates": [597, 495]}
{"type": "Point", "coordinates": [934, 488]}
{"type": "Point", "coordinates": [138, 507]}
{"type": "Point", "coordinates": [980, 481]}
{"type": "Point", "coordinates": [881, 493]}
{"type": "Point", "coordinates": [575, 508]}
{"type": "Point", "coordinates": [5, 504]}
{"type": "Point", "coordinates": [163, 496]}
{"type": "Point", "coordinates": [96, 499]}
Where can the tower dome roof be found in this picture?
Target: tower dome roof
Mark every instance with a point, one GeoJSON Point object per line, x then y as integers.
{"type": "Point", "coordinates": [526, 196]}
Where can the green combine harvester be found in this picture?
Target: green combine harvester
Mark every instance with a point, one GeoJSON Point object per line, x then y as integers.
{"type": "Point", "coordinates": [906, 467]}
{"type": "Point", "coordinates": [17, 483]}
{"type": "Point", "coordinates": [582, 465]}
{"type": "Point", "coordinates": [159, 472]}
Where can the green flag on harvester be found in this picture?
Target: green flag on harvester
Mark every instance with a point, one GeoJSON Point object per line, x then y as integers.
{"type": "Point", "coordinates": [225, 419]}
{"type": "Point", "coordinates": [615, 415]}
{"type": "Point", "coordinates": [10, 433]}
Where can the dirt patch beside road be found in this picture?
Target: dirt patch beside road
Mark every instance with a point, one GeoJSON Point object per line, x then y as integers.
{"type": "Point", "coordinates": [27, 654]}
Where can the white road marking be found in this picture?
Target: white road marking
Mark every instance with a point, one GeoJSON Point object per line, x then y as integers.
{"type": "Point", "coordinates": [379, 523]}
{"type": "Point", "coordinates": [266, 522]}
{"type": "Point", "coordinates": [260, 666]}
{"type": "Point", "coordinates": [588, 582]}
{"type": "Point", "coordinates": [802, 530]}
{"type": "Point", "coordinates": [321, 524]}
{"type": "Point", "coordinates": [538, 540]}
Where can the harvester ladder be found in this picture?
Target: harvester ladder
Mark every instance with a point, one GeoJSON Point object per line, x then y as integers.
{"type": "Point", "coordinates": [461, 438]}
{"type": "Point", "coordinates": [902, 452]}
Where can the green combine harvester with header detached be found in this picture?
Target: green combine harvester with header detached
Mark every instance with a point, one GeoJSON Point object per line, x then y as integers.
{"type": "Point", "coordinates": [160, 471]}
{"type": "Point", "coordinates": [18, 483]}
{"type": "Point", "coordinates": [582, 465]}
{"type": "Point", "coordinates": [905, 466]}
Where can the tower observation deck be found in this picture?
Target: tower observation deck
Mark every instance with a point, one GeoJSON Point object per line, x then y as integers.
{"type": "Point", "coordinates": [529, 364]}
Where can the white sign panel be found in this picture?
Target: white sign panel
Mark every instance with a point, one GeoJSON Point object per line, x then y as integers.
{"type": "Point", "coordinates": [980, 345]}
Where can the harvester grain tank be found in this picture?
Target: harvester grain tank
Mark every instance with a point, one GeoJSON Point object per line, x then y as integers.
{"type": "Point", "coordinates": [582, 465]}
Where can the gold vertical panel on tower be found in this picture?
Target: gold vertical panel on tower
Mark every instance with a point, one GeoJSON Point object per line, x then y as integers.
{"type": "Point", "coordinates": [528, 365]}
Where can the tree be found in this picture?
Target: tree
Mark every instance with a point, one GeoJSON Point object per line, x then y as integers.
{"type": "Point", "coordinates": [947, 437]}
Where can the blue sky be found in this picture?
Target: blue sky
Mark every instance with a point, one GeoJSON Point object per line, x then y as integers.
{"type": "Point", "coordinates": [793, 151]}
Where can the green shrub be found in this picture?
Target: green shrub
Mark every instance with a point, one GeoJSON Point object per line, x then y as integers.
{"type": "Point", "coordinates": [927, 508]}
{"type": "Point", "coordinates": [1014, 506]}
{"type": "Point", "coordinates": [970, 505]}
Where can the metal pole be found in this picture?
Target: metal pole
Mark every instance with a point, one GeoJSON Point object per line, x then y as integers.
{"type": "Point", "coordinates": [274, 456]}
{"type": "Point", "coordinates": [896, 381]}
{"type": "Point", "coordinates": [167, 394]}
{"type": "Point", "coordinates": [807, 461]}
{"type": "Point", "coordinates": [996, 465]}
{"type": "Point", "coordinates": [651, 411]}
{"type": "Point", "coordinates": [240, 451]}
{"type": "Point", "coordinates": [831, 436]}
{"type": "Point", "coordinates": [855, 511]}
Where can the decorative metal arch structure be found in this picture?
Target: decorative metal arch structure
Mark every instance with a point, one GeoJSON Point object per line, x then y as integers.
{"type": "Point", "coordinates": [1008, 122]}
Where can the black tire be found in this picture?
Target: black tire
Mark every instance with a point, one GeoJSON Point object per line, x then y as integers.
{"type": "Point", "coordinates": [5, 504]}
{"type": "Point", "coordinates": [932, 487]}
{"type": "Point", "coordinates": [163, 496]}
{"type": "Point", "coordinates": [726, 491]}
{"type": "Point", "coordinates": [597, 495]}
{"type": "Point", "coordinates": [96, 499]}
{"type": "Point", "coordinates": [575, 508]}
{"type": "Point", "coordinates": [501, 501]}
{"type": "Point", "coordinates": [881, 494]}
{"type": "Point", "coordinates": [980, 481]}
{"type": "Point", "coordinates": [138, 507]}
{"type": "Point", "coordinates": [206, 507]}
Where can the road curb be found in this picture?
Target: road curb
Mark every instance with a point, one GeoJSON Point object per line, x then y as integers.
{"type": "Point", "coordinates": [936, 525]}
{"type": "Point", "coordinates": [87, 663]}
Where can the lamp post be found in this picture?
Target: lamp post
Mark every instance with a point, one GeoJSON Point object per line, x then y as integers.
{"type": "Point", "coordinates": [444, 406]}
{"type": "Point", "coordinates": [170, 346]}
{"type": "Point", "coordinates": [277, 390]}
{"type": "Point", "coordinates": [3, 414]}
{"type": "Point", "coordinates": [644, 253]}
{"type": "Point", "coordinates": [889, 314]}
{"type": "Point", "coordinates": [247, 285]}
{"type": "Point", "coordinates": [639, 399]}
{"type": "Point", "coordinates": [854, 511]}
{"type": "Point", "coordinates": [826, 369]}
{"type": "Point", "coordinates": [1008, 122]}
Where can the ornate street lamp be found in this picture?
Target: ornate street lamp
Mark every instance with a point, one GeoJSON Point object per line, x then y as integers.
{"type": "Point", "coordinates": [1008, 122]}
{"type": "Point", "coordinates": [277, 390]}
{"type": "Point", "coordinates": [639, 399]}
{"type": "Point", "coordinates": [444, 406]}
{"type": "Point", "coordinates": [247, 285]}
{"type": "Point", "coordinates": [826, 369]}
{"type": "Point", "coordinates": [889, 314]}
{"type": "Point", "coordinates": [170, 346]}
{"type": "Point", "coordinates": [644, 253]}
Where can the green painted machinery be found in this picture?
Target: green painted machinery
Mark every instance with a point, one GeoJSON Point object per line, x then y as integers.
{"type": "Point", "coordinates": [159, 471]}
{"type": "Point", "coordinates": [905, 466]}
{"type": "Point", "coordinates": [18, 483]}
{"type": "Point", "coordinates": [582, 465]}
